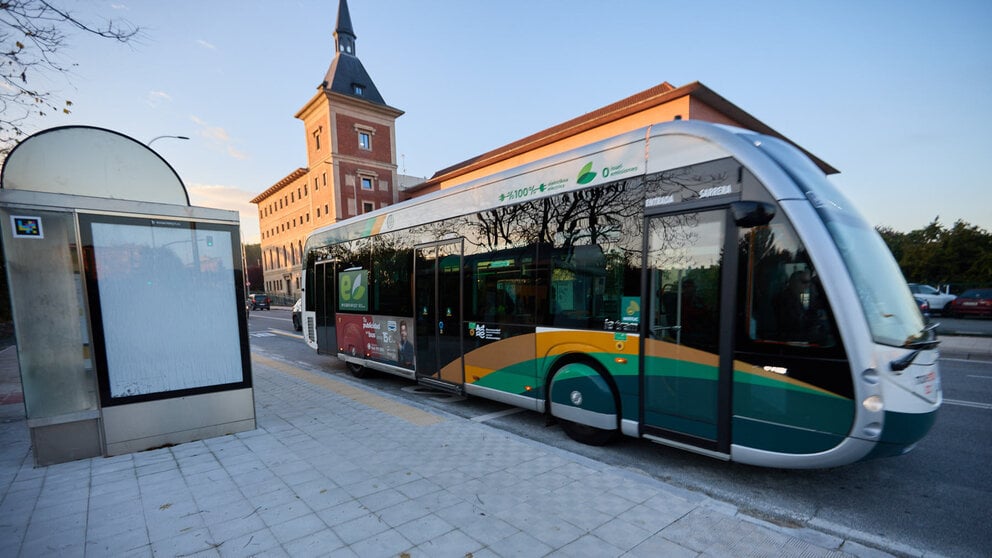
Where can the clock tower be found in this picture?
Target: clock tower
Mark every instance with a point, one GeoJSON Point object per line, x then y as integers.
{"type": "Point", "coordinates": [351, 163]}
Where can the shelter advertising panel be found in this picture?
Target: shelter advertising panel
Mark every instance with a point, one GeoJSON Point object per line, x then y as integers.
{"type": "Point", "coordinates": [166, 302]}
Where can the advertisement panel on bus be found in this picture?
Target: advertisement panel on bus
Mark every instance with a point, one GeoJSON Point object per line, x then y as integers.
{"type": "Point", "coordinates": [381, 338]}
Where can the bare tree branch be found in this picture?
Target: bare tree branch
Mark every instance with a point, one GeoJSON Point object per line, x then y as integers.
{"type": "Point", "coordinates": [33, 36]}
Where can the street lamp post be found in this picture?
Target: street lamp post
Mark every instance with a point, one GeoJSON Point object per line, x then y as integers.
{"type": "Point", "coordinates": [160, 137]}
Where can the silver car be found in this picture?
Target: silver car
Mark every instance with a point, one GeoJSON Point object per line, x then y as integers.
{"type": "Point", "coordinates": [936, 299]}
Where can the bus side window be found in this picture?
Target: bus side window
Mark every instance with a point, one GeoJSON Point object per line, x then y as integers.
{"type": "Point", "coordinates": [503, 287]}
{"type": "Point", "coordinates": [785, 301]}
{"type": "Point", "coordinates": [392, 261]}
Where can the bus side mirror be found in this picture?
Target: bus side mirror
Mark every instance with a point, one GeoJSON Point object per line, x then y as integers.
{"type": "Point", "coordinates": [749, 214]}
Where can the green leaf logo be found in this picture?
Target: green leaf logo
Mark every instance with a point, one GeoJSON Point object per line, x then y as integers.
{"type": "Point", "coordinates": [357, 289]}
{"type": "Point", "coordinates": [353, 292]}
{"type": "Point", "coordinates": [345, 285]}
{"type": "Point", "coordinates": [586, 175]}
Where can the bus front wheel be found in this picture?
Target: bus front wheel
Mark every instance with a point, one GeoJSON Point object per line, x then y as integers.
{"type": "Point", "coordinates": [584, 402]}
{"type": "Point", "coordinates": [588, 435]}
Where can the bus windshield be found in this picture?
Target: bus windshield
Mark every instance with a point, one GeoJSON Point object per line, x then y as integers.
{"type": "Point", "coordinates": [892, 314]}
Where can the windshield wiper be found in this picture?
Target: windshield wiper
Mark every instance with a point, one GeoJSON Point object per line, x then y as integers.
{"type": "Point", "coordinates": [931, 342]}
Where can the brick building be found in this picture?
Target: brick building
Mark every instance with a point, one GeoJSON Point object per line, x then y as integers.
{"type": "Point", "coordinates": [351, 164]}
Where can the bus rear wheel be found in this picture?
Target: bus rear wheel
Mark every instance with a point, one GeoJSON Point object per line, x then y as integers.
{"type": "Point", "coordinates": [357, 370]}
{"type": "Point", "coordinates": [588, 435]}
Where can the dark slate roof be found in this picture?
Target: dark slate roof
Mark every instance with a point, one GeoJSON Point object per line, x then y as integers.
{"type": "Point", "coordinates": [345, 73]}
{"type": "Point", "coordinates": [344, 19]}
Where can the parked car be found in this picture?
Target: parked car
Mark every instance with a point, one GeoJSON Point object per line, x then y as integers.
{"type": "Point", "coordinates": [260, 301]}
{"type": "Point", "coordinates": [298, 315]}
{"type": "Point", "coordinates": [973, 302]}
{"type": "Point", "coordinates": [937, 299]}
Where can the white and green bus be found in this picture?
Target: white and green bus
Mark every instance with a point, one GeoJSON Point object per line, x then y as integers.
{"type": "Point", "coordinates": [697, 285]}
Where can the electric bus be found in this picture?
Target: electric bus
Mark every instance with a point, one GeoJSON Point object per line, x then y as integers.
{"type": "Point", "coordinates": [698, 285]}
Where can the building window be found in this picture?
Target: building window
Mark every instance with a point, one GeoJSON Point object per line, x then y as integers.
{"type": "Point", "coordinates": [365, 141]}
{"type": "Point", "coordinates": [316, 139]}
{"type": "Point", "coordinates": [318, 212]}
{"type": "Point", "coordinates": [325, 179]}
{"type": "Point", "coordinates": [366, 183]}
{"type": "Point", "coordinates": [326, 211]}
{"type": "Point", "coordinates": [305, 190]}
{"type": "Point", "coordinates": [358, 89]}
{"type": "Point", "coordinates": [368, 207]}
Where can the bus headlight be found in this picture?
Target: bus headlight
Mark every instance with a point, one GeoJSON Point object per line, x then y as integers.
{"type": "Point", "coordinates": [873, 404]}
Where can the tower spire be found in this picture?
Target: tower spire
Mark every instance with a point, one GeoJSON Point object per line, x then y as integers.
{"type": "Point", "coordinates": [344, 34]}
{"type": "Point", "coordinates": [347, 76]}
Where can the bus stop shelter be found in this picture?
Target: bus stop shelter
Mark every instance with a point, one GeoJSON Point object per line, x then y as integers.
{"type": "Point", "coordinates": [127, 302]}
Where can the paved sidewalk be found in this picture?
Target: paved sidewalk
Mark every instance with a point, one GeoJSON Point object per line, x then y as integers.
{"type": "Point", "coordinates": [966, 347]}
{"type": "Point", "coordinates": [334, 469]}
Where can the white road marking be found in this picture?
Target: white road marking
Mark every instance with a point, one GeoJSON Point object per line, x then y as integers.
{"type": "Point", "coordinates": [498, 414]}
{"type": "Point", "coordinates": [986, 406]}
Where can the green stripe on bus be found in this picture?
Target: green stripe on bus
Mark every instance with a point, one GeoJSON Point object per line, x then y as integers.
{"type": "Point", "coordinates": [768, 414]}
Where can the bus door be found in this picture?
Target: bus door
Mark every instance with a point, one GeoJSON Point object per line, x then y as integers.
{"type": "Point", "coordinates": [438, 288]}
{"type": "Point", "coordinates": [323, 292]}
{"type": "Point", "coordinates": [686, 372]}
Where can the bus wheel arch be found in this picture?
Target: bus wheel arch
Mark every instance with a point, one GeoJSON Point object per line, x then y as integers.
{"type": "Point", "coordinates": [356, 369]}
{"type": "Point", "coordinates": [584, 399]}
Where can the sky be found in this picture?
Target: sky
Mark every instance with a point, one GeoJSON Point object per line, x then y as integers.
{"type": "Point", "coordinates": [894, 94]}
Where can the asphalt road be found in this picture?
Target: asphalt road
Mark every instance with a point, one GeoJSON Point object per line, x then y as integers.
{"type": "Point", "coordinates": [934, 499]}
{"type": "Point", "coordinates": [963, 326]}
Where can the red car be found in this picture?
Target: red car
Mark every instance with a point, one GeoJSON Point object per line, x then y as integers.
{"type": "Point", "coordinates": [973, 302]}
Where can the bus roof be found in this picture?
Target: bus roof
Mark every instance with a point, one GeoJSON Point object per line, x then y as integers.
{"type": "Point", "coordinates": [643, 151]}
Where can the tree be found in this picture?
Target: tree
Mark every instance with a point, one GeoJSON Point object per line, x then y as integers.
{"type": "Point", "coordinates": [33, 36]}
{"type": "Point", "coordinates": [922, 259]}
{"type": "Point", "coordinates": [895, 240]}
{"type": "Point", "coordinates": [960, 255]}
{"type": "Point", "coordinates": [969, 250]}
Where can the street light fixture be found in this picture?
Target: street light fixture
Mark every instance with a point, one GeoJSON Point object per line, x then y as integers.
{"type": "Point", "coordinates": [160, 137]}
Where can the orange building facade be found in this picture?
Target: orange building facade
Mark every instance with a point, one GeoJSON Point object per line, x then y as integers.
{"type": "Point", "coordinates": [661, 103]}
